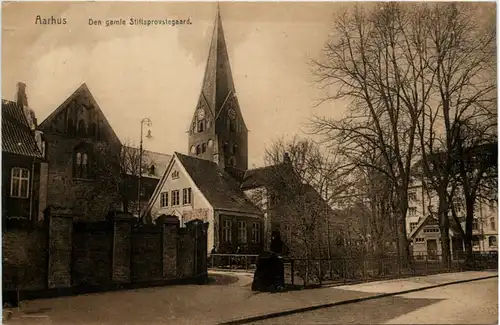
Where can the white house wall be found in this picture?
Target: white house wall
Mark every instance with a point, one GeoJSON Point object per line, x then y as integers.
{"type": "Point", "coordinates": [199, 207]}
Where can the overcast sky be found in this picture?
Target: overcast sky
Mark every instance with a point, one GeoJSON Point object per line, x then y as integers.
{"type": "Point", "coordinates": [156, 72]}
{"type": "Point", "coordinates": [135, 72]}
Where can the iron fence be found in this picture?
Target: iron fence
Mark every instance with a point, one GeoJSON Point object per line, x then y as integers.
{"type": "Point", "coordinates": [305, 272]}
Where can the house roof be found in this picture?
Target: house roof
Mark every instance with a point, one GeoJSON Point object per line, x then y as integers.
{"type": "Point", "coordinates": [17, 137]}
{"type": "Point", "coordinates": [159, 160]}
{"type": "Point", "coordinates": [263, 176]}
{"type": "Point", "coordinates": [219, 188]}
{"type": "Point", "coordinates": [431, 219]}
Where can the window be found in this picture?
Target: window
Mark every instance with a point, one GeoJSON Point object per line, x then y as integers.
{"type": "Point", "coordinates": [256, 232]}
{"type": "Point", "coordinates": [175, 174]}
{"type": "Point", "coordinates": [175, 198]}
{"type": "Point", "coordinates": [493, 225]}
{"type": "Point", "coordinates": [226, 231]}
{"type": "Point", "coordinates": [143, 190]}
{"type": "Point", "coordinates": [242, 231]}
{"type": "Point", "coordinates": [186, 196]}
{"type": "Point", "coordinates": [413, 225]}
{"type": "Point", "coordinates": [164, 199]}
{"type": "Point", "coordinates": [419, 240]}
{"type": "Point", "coordinates": [235, 149]}
{"type": "Point", "coordinates": [201, 126]}
{"type": "Point", "coordinates": [475, 225]}
{"type": "Point", "coordinates": [428, 230]}
{"type": "Point", "coordinates": [81, 164]}
{"type": "Point", "coordinates": [232, 126]}
{"type": "Point", "coordinates": [412, 211]}
{"type": "Point", "coordinates": [492, 241]}
{"type": "Point", "coordinates": [193, 149]}
{"type": "Point", "coordinates": [210, 143]}
{"type": "Point", "coordinates": [412, 195]}
{"type": "Point", "coordinates": [198, 149]}
{"type": "Point", "coordinates": [152, 170]}
{"type": "Point", "coordinates": [19, 182]}
{"type": "Point", "coordinates": [203, 147]}
{"type": "Point", "coordinates": [475, 241]}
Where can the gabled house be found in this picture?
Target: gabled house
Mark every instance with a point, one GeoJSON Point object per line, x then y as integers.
{"type": "Point", "coordinates": [82, 153]}
{"type": "Point", "coordinates": [23, 166]}
{"type": "Point", "coordinates": [425, 238]}
{"type": "Point", "coordinates": [195, 188]}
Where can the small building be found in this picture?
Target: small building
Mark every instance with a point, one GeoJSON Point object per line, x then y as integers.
{"type": "Point", "coordinates": [195, 188]}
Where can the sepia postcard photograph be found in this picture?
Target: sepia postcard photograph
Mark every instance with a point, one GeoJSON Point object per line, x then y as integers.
{"type": "Point", "coordinates": [230, 162]}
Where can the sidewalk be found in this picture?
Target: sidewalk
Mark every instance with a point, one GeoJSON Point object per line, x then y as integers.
{"type": "Point", "coordinates": [205, 304]}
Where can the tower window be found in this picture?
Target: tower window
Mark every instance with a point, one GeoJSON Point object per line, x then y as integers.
{"type": "Point", "coordinates": [201, 126]}
{"type": "Point", "coordinates": [232, 126]}
{"type": "Point", "coordinates": [226, 148]}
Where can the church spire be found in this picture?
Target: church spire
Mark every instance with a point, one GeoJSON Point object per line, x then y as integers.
{"type": "Point", "coordinates": [218, 80]}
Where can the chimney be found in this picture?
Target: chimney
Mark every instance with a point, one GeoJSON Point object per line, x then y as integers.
{"type": "Point", "coordinates": [286, 158]}
{"type": "Point", "coordinates": [22, 99]}
{"type": "Point", "coordinates": [22, 102]}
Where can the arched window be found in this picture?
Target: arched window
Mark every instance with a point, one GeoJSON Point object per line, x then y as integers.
{"type": "Point", "coordinates": [71, 126]}
{"type": "Point", "coordinates": [81, 127]}
{"type": "Point", "coordinates": [194, 128]}
{"type": "Point", "coordinates": [81, 163]}
{"type": "Point", "coordinates": [198, 149]}
{"type": "Point", "coordinates": [235, 149]}
{"type": "Point", "coordinates": [152, 170]}
{"type": "Point", "coordinates": [193, 149]}
{"type": "Point", "coordinates": [203, 147]}
{"type": "Point", "coordinates": [232, 125]}
{"type": "Point", "coordinates": [226, 148]}
{"type": "Point", "coordinates": [201, 126]}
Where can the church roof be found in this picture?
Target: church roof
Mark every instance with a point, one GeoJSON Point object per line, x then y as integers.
{"type": "Point", "coordinates": [17, 137]}
{"type": "Point", "coordinates": [218, 82]}
{"type": "Point", "coordinates": [218, 187]}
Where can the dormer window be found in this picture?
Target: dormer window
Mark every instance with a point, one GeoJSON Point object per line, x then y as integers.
{"type": "Point", "coordinates": [152, 170]}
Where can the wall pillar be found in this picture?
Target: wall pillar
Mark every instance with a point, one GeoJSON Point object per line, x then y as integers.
{"type": "Point", "coordinates": [59, 222]}
{"type": "Point", "coordinates": [197, 230]}
{"type": "Point", "coordinates": [121, 251]}
{"type": "Point", "coordinates": [170, 229]}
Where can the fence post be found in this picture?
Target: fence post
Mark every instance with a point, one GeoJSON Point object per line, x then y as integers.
{"type": "Point", "coordinates": [292, 267]}
{"type": "Point", "coordinates": [426, 266]}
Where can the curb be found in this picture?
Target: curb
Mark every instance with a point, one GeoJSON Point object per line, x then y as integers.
{"type": "Point", "coordinates": [345, 302]}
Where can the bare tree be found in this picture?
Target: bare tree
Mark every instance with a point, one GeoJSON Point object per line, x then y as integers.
{"type": "Point", "coordinates": [363, 63]}
{"type": "Point", "coordinates": [412, 72]}
{"type": "Point", "coordinates": [303, 187]}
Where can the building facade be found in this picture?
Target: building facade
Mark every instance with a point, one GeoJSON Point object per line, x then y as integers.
{"type": "Point", "coordinates": [23, 165]}
{"type": "Point", "coordinates": [82, 152]}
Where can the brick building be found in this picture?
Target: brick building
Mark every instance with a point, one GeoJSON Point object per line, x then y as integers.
{"type": "Point", "coordinates": [82, 152]}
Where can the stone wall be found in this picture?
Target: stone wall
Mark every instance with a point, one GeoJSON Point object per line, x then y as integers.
{"type": "Point", "coordinates": [24, 258]}
{"type": "Point", "coordinates": [66, 254]}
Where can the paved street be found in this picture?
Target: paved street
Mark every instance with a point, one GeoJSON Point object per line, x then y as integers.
{"type": "Point", "coordinates": [229, 297]}
{"type": "Point", "coordinates": [467, 303]}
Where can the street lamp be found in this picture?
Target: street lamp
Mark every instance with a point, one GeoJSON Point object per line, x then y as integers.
{"type": "Point", "coordinates": [148, 123]}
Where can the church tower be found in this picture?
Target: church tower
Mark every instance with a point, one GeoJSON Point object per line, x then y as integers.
{"type": "Point", "coordinates": [218, 131]}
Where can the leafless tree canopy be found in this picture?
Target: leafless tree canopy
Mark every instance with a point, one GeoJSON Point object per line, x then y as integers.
{"type": "Point", "coordinates": [415, 75]}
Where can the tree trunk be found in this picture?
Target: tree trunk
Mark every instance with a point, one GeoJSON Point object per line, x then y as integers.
{"type": "Point", "coordinates": [469, 219]}
{"type": "Point", "coordinates": [444, 227]}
